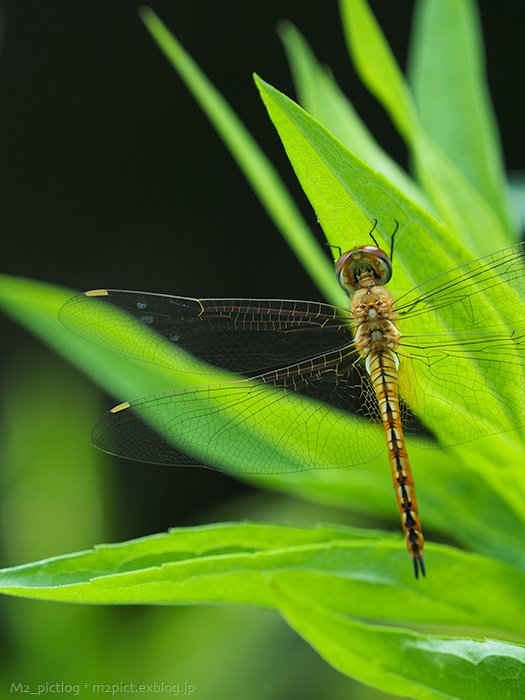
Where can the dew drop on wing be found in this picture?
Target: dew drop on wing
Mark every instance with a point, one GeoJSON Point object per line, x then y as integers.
{"type": "Point", "coordinates": [141, 305]}
{"type": "Point", "coordinates": [146, 319]}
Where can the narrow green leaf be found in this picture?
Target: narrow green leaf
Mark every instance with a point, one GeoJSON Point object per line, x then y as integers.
{"type": "Point", "coordinates": [321, 97]}
{"type": "Point", "coordinates": [377, 66]}
{"type": "Point", "coordinates": [256, 167]}
{"type": "Point", "coordinates": [446, 70]}
{"type": "Point", "coordinates": [459, 203]}
{"type": "Point", "coordinates": [406, 663]}
{"type": "Point", "coordinates": [37, 305]}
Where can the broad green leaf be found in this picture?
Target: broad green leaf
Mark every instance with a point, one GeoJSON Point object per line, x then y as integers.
{"type": "Point", "coordinates": [321, 97]}
{"type": "Point", "coordinates": [457, 202]}
{"type": "Point", "coordinates": [354, 572]}
{"type": "Point", "coordinates": [345, 193]}
{"type": "Point", "coordinates": [463, 492]}
{"type": "Point", "coordinates": [447, 75]}
{"type": "Point", "coordinates": [258, 170]}
{"type": "Point", "coordinates": [403, 662]}
{"type": "Point", "coordinates": [348, 196]}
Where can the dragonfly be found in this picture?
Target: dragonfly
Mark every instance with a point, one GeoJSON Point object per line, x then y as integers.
{"type": "Point", "coordinates": [321, 386]}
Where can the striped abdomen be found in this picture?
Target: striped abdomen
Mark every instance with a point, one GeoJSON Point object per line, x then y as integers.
{"type": "Point", "coordinates": [377, 338]}
{"type": "Point", "coordinates": [382, 366]}
{"type": "Point", "coordinates": [362, 273]}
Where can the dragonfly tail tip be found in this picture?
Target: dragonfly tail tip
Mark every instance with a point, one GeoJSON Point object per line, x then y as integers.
{"type": "Point", "coordinates": [419, 565]}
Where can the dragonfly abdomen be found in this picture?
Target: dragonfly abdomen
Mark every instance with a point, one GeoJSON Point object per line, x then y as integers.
{"type": "Point", "coordinates": [377, 339]}
{"type": "Point", "coordinates": [382, 366]}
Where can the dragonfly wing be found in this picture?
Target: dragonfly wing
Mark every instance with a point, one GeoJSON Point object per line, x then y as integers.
{"type": "Point", "coordinates": [463, 386]}
{"type": "Point", "coordinates": [488, 293]}
{"type": "Point", "coordinates": [239, 335]}
{"type": "Point", "coordinates": [263, 425]}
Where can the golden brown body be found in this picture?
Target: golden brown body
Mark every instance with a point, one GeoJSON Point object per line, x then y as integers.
{"type": "Point", "coordinates": [377, 338]}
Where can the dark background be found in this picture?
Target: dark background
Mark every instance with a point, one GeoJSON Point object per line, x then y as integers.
{"type": "Point", "coordinates": [110, 176]}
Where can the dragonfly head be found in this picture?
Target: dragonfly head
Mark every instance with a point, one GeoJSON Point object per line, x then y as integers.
{"type": "Point", "coordinates": [367, 261]}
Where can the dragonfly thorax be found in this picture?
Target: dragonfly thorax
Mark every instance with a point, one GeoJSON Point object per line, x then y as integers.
{"type": "Point", "coordinates": [374, 315]}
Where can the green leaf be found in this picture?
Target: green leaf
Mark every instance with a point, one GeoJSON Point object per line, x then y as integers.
{"type": "Point", "coordinates": [35, 305]}
{"type": "Point", "coordinates": [354, 572]}
{"type": "Point", "coordinates": [463, 492]}
{"type": "Point", "coordinates": [447, 75]}
{"type": "Point", "coordinates": [258, 170]}
{"type": "Point", "coordinates": [459, 203]}
{"type": "Point", "coordinates": [321, 97]}
{"type": "Point", "coordinates": [406, 663]}
{"type": "Point", "coordinates": [377, 66]}
{"type": "Point", "coordinates": [348, 196]}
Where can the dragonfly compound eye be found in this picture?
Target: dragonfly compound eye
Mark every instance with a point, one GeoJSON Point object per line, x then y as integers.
{"type": "Point", "coordinates": [367, 261]}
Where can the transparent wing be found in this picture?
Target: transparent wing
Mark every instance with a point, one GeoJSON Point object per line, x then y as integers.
{"type": "Point", "coordinates": [238, 335]}
{"type": "Point", "coordinates": [487, 293]}
{"type": "Point", "coordinates": [458, 385]}
{"type": "Point", "coordinates": [448, 384]}
{"type": "Point", "coordinates": [463, 386]}
{"type": "Point", "coordinates": [252, 426]}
